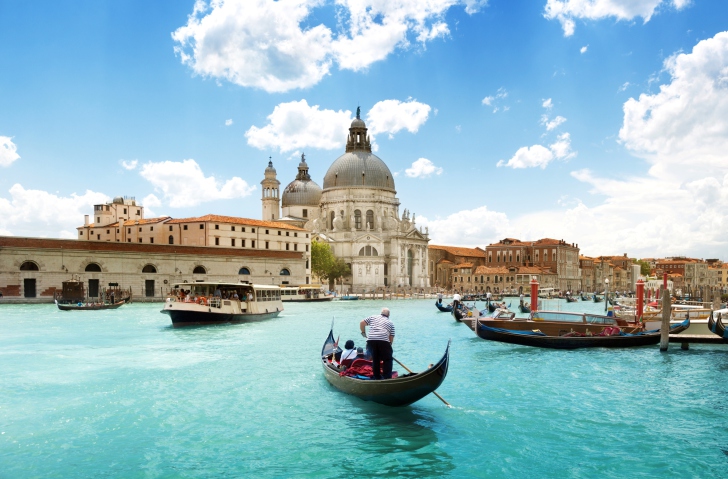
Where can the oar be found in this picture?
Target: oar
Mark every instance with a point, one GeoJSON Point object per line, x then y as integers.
{"type": "Point", "coordinates": [433, 392]}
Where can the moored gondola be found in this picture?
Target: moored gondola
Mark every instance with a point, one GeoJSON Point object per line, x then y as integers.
{"type": "Point", "coordinates": [400, 391]}
{"type": "Point", "coordinates": [716, 326]}
{"type": "Point", "coordinates": [541, 340]}
{"type": "Point", "coordinates": [443, 309]}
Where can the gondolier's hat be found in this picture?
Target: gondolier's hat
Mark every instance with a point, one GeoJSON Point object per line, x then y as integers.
{"type": "Point", "coordinates": [349, 344]}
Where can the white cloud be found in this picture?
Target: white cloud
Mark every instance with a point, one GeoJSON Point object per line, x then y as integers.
{"type": "Point", "coordinates": [491, 100]}
{"type": "Point", "coordinates": [566, 11]}
{"type": "Point", "coordinates": [228, 122]}
{"type": "Point", "coordinates": [184, 184]}
{"type": "Point", "coordinates": [129, 165]}
{"type": "Point", "coordinates": [624, 86]}
{"type": "Point", "coordinates": [151, 201]}
{"type": "Point", "coordinates": [277, 46]}
{"type": "Point", "coordinates": [476, 227]}
{"type": "Point", "coordinates": [392, 116]}
{"type": "Point", "coordinates": [422, 168]}
{"type": "Point", "coordinates": [683, 130]}
{"type": "Point", "coordinates": [8, 151]}
{"type": "Point", "coordinates": [583, 49]}
{"type": "Point", "coordinates": [551, 124]}
{"type": "Point", "coordinates": [39, 213]}
{"type": "Point", "coordinates": [538, 156]}
{"type": "Point", "coordinates": [548, 104]}
{"type": "Point", "coordinates": [296, 125]}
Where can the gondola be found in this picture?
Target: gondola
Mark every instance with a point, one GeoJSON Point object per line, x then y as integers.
{"type": "Point", "coordinates": [571, 299]}
{"type": "Point", "coordinates": [541, 340]}
{"type": "Point", "coordinates": [716, 326]}
{"type": "Point", "coordinates": [400, 391]}
{"type": "Point", "coordinates": [89, 306]}
{"type": "Point", "coordinates": [523, 308]}
{"type": "Point", "coordinates": [443, 309]}
{"type": "Point", "coordinates": [597, 299]}
{"type": "Point", "coordinates": [584, 297]}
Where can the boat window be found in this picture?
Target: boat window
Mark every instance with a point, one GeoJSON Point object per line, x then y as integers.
{"type": "Point", "coordinates": [29, 266]}
{"type": "Point", "coordinates": [93, 268]}
{"type": "Point", "coordinates": [244, 270]}
{"type": "Point", "coordinates": [149, 269]}
{"type": "Point", "coordinates": [199, 270]}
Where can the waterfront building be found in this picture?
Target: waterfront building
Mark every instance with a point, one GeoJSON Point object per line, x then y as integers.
{"type": "Point", "coordinates": [447, 261]}
{"type": "Point", "coordinates": [557, 256]}
{"type": "Point", "coordinates": [357, 214]}
{"type": "Point", "coordinates": [33, 269]}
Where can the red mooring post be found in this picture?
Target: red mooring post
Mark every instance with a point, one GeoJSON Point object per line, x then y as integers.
{"type": "Point", "coordinates": [664, 281]}
{"type": "Point", "coordinates": [534, 294]}
{"type": "Point", "coordinates": [640, 299]}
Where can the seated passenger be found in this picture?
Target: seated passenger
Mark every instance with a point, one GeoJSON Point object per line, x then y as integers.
{"type": "Point", "coordinates": [348, 354]}
{"type": "Point", "coordinates": [360, 353]}
{"type": "Point", "coordinates": [235, 295]}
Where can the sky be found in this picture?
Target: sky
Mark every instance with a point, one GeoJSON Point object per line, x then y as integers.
{"type": "Point", "coordinates": [600, 122]}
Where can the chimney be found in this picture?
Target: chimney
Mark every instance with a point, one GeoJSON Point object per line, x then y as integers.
{"type": "Point", "coordinates": [85, 220]}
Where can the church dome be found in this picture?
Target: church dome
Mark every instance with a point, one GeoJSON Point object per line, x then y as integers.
{"type": "Point", "coordinates": [359, 169]}
{"type": "Point", "coordinates": [302, 191]}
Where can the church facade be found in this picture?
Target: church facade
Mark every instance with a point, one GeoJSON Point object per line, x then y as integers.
{"type": "Point", "coordinates": [358, 213]}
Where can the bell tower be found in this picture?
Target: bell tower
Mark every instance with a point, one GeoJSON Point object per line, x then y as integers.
{"type": "Point", "coordinates": [271, 198]}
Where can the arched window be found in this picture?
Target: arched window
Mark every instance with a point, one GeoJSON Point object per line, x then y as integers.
{"type": "Point", "coordinates": [357, 219]}
{"type": "Point", "coordinates": [171, 239]}
{"type": "Point", "coordinates": [93, 268]}
{"type": "Point", "coordinates": [29, 266]}
{"type": "Point", "coordinates": [333, 215]}
{"type": "Point", "coordinates": [285, 272]}
{"type": "Point", "coordinates": [368, 251]}
{"type": "Point", "coordinates": [370, 219]}
{"type": "Point", "coordinates": [149, 269]}
{"type": "Point", "coordinates": [244, 270]}
{"type": "Point", "coordinates": [199, 270]}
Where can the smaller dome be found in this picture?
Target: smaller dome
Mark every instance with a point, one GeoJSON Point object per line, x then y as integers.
{"type": "Point", "coordinates": [301, 193]}
{"type": "Point", "coordinates": [270, 168]}
{"type": "Point", "coordinates": [358, 123]}
{"type": "Point", "coordinates": [118, 200]}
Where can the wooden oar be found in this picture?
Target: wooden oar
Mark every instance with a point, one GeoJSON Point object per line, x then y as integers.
{"type": "Point", "coordinates": [433, 392]}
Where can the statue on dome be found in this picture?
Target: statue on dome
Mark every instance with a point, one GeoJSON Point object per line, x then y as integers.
{"type": "Point", "coordinates": [358, 111]}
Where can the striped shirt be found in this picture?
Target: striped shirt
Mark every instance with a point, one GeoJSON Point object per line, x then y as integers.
{"type": "Point", "coordinates": [380, 328]}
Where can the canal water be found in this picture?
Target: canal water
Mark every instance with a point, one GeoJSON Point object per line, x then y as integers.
{"type": "Point", "coordinates": [123, 394]}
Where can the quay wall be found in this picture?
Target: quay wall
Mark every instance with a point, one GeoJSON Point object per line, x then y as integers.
{"type": "Point", "coordinates": [33, 269]}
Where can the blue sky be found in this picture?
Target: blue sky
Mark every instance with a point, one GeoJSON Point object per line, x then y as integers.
{"type": "Point", "coordinates": [603, 123]}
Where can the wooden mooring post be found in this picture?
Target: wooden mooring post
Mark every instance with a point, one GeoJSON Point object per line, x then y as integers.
{"type": "Point", "coordinates": [665, 329]}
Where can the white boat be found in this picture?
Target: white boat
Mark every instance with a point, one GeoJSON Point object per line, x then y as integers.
{"type": "Point", "coordinates": [305, 293]}
{"type": "Point", "coordinates": [192, 304]}
{"type": "Point", "coordinates": [698, 319]}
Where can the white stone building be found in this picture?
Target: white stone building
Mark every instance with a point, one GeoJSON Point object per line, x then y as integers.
{"type": "Point", "coordinates": [357, 213]}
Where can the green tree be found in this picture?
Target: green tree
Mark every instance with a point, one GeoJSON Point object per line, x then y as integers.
{"type": "Point", "coordinates": [644, 267]}
{"type": "Point", "coordinates": [325, 266]}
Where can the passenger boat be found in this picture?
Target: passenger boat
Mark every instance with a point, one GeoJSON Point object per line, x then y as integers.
{"type": "Point", "coordinates": [699, 317]}
{"type": "Point", "coordinates": [72, 297]}
{"type": "Point", "coordinates": [218, 303]}
{"type": "Point", "coordinates": [400, 391]}
{"type": "Point", "coordinates": [612, 339]}
{"type": "Point", "coordinates": [304, 293]}
{"type": "Point", "coordinates": [443, 309]}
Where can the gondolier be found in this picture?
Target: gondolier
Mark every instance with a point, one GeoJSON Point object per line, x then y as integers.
{"type": "Point", "coordinates": [379, 342]}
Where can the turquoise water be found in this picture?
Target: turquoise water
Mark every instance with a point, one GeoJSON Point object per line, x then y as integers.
{"type": "Point", "coordinates": [122, 394]}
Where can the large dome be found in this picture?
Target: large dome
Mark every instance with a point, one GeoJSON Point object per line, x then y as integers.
{"type": "Point", "coordinates": [359, 169]}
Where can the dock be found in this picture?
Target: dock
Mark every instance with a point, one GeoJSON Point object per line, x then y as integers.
{"type": "Point", "coordinates": [686, 339]}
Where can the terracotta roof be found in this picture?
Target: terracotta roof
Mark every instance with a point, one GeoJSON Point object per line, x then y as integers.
{"type": "Point", "coordinates": [491, 270]}
{"type": "Point", "coordinates": [45, 243]}
{"type": "Point", "coordinates": [237, 221]}
{"type": "Point", "coordinates": [444, 261]}
{"type": "Point", "coordinates": [460, 251]}
{"type": "Point", "coordinates": [146, 221]}
{"type": "Point", "coordinates": [463, 265]}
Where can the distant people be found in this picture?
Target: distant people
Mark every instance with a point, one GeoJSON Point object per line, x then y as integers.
{"type": "Point", "coordinates": [217, 293]}
{"type": "Point", "coordinates": [348, 354]}
{"type": "Point", "coordinates": [439, 297]}
{"type": "Point", "coordinates": [111, 297]}
{"type": "Point", "coordinates": [455, 300]}
{"type": "Point", "coordinates": [235, 295]}
{"type": "Point", "coordinates": [379, 342]}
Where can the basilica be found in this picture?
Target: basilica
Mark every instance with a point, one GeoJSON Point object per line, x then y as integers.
{"type": "Point", "coordinates": [358, 213]}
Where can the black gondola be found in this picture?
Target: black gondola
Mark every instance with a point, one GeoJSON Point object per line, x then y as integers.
{"type": "Point", "coordinates": [523, 308]}
{"type": "Point", "coordinates": [89, 306]}
{"type": "Point", "coordinates": [541, 340]}
{"type": "Point", "coordinates": [597, 299]}
{"type": "Point", "coordinates": [717, 327]}
{"type": "Point", "coordinates": [571, 299]}
{"type": "Point", "coordinates": [584, 297]}
{"type": "Point", "coordinates": [400, 391]}
{"type": "Point", "coordinates": [443, 309]}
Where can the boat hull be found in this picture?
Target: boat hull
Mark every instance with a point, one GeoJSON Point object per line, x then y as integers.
{"type": "Point", "coordinates": [525, 338]}
{"type": "Point", "coordinates": [183, 318]}
{"type": "Point", "coordinates": [75, 307]}
{"type": "Point", "coordinates": [444, 309]}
